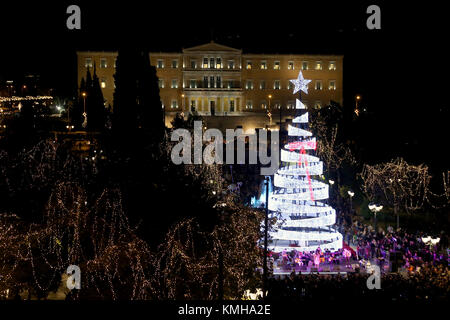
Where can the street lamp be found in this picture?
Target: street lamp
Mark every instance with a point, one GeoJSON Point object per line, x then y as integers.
{"type": "Point", "coordinates": [351, 194]}
{"type": "Point", "coordinates": [84, 124]}
{"type": "Point", "coordinates": [182, 98]}
{"type": "Point", "coordinates": [374, 208]}
{"type": "Point", "coordinates": [357, 98]}
{"type": "Point", "coordinates": [331, 181]}
{"type": "Point", "coordinates": [266, 226]}
{"type": "Point", "coordinates": [430, 241]}
{"type": "Point", "coordinates": [269, 114]}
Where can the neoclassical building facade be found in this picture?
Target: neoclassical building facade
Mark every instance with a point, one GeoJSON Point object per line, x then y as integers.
{"type": "Point", "coordinates": [224, 84]}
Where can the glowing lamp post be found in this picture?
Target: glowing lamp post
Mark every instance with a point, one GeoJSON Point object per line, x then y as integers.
{"type": "Point", "coordinates": [84, 124]}
{"type": "Point", "coordinates": [374, 208]}
{"type": "Point", "coordinates": [430, 241]}
{"type": "Point", "coordinates": [351, 194]}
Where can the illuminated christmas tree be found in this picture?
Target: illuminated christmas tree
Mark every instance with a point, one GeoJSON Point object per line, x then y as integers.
{"type": "Point", "coordinates": [304, 221]}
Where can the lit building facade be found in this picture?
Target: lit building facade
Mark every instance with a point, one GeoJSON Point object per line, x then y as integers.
{"type": "Point", "coordinates": [227, 85]}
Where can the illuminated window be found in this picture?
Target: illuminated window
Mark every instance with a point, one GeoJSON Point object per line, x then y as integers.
{"type": "Point", "coordinates": [290, 104]}
{"type": "Point", "coordinates": [103, 83]}
{"type": "Point", "coordinates": [219, 63]}
{"type": "Point", "coordinates": [276, 85]}
{"type": "Point", "coordinates": [290, 85]}
{"type": "Point", "coordinates": [291, 65]}
{"type": "Point", "coordinates": [276, 65]}
{"type": "Point", "coordinates": [332, 65]}
{"type": "Point", "coordinates": [318, 104]}
{"type": "Point", "coordinates": [318, 85]}
{"type": "Point", "coordinates": [318, 65]}
{"type": "Point", "coordinates": [249, 65]}
{"type": "Point", "coordinates": [174, 104]}
{"type": "Point", "coordinates": [160, 64]}
{"type": "Point", "coordinates": [249, 104]}
{"type": "Point", "coordinates": [332, 85]}
{"type": "Point", "coordinates": [174, 64]}
{"type": "Point", "coordinates": [205, 63]}
{"type": "Point", "coordinates": [192, 84]}
{"type": "Point", "coordinates": [103, 63]}
{"type": "Point", "coordinates": [193, 64]}
{"type": "Point", "coordinates": [263, 65]}
{"type": "Point", "coordinates": [264, 104]}
{"type": "Point", "coordinates": [161, 83]}
{"type": "Point", "coordinates": [262, 85]}
{"type": "Point", "coordinates": [231, 106]}
{"type": "Point", "coordinates": [88, 62]}
{"type": "Point", "coordinates": [230, 64]}
{"type": "Point", "coordinates": [249, 85]}
{"type": "Point", "coordinates": [174, 84]}
{"type": "Point", "coordinates": [305, 65]}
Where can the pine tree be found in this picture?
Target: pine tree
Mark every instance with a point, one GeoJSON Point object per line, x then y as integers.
{"type": "Point", "coordinates": [137, 104]}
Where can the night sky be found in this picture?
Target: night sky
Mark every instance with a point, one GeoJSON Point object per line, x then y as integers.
{"type": "Point", "coordinates": [401, 71]}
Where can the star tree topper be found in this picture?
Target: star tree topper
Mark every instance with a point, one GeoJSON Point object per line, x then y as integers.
{"type": "Point", "coordinates": [300, 83]}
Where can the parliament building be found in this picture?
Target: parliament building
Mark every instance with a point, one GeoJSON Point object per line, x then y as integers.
{"type": "Point", "coordinates": [227, 87]}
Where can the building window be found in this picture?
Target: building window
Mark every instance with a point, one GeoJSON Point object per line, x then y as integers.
{"type": "Point", "coordinates": [332, 65]}
{"type": "Point", "coordinates": [218, 82]}
{"type": "Point", "coordinates": [276, 85]}
{"type": "Point", "coordinates": [161, 83]}
{"type": "Point", "coordinates": [332, 85]}
{"type": "Point", "coordinates": [211, 82]}
{"type": "Point", "coordinates": [193, 64]}
{"type": "Point", "coordinates": [160, 64]}
{"type": "Point", "coordinates": [318, 65]}
{"type": "Point", "coordinates": [305, 65]}
{"type": "Point", "coordinates": [192, 84]}
{"type": "Point", "coordinates": [277, 105]}
{"type": "Point", "coordinates": [264, 104]}
{"type": "Point", "coordinates": [263, 65]}
{"type": "Point", "coordinates": [88, 62]}
{"type": "Point", "coordinates": [219, 63]}
{"type": "Point", "coordinates": [290, 104]}
{"type": "Point", "coordinates": [174, 64]}
{"type": "Point", "coordinates": [192, 105]}
{"type": "Point", "coordinates": [249, 85]}
{"type": "Point", "coordinates": [290, 85]}
{"type": "Point", "coordinates": [249, 104]}
{"type": "Point", "coordinates": [103, 63]}
{"type": "Point", "coordinates": [290, 65]}
{"type": "Point", "coordinates": [174, 104]}
{"type": "Point", "coordinates": [211, 63]}
{"type": "Point", "coordinates": [174, 84]}
{"type": "Point", "coordinates": [230, 64]}
{"type": "Point", "coordinates": [103, 83]}
{"type": "Point", "coordinates": [230, 84]}
{"type": "Point", "coordinates": [262, 85]}
{"type": "Point", "coordinates": [318, 85]}
{"type": "Point", "coordinates": [205, 82]}
{"type": "Point", "coordinates": [205, 63]}
{"type": "Point", "coordinates": [231, 105]}
{"type": "Point", "coordinates": [276, 65]}
{"type": "Point", "coordinates": [249, 65]}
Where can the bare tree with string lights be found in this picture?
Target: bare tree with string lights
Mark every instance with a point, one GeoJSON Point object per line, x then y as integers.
{"type": "Point", "coordinates": [398, 184]}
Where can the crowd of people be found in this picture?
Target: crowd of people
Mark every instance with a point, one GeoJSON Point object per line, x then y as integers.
{"type": "Point", "coordinates": [411, 270]}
